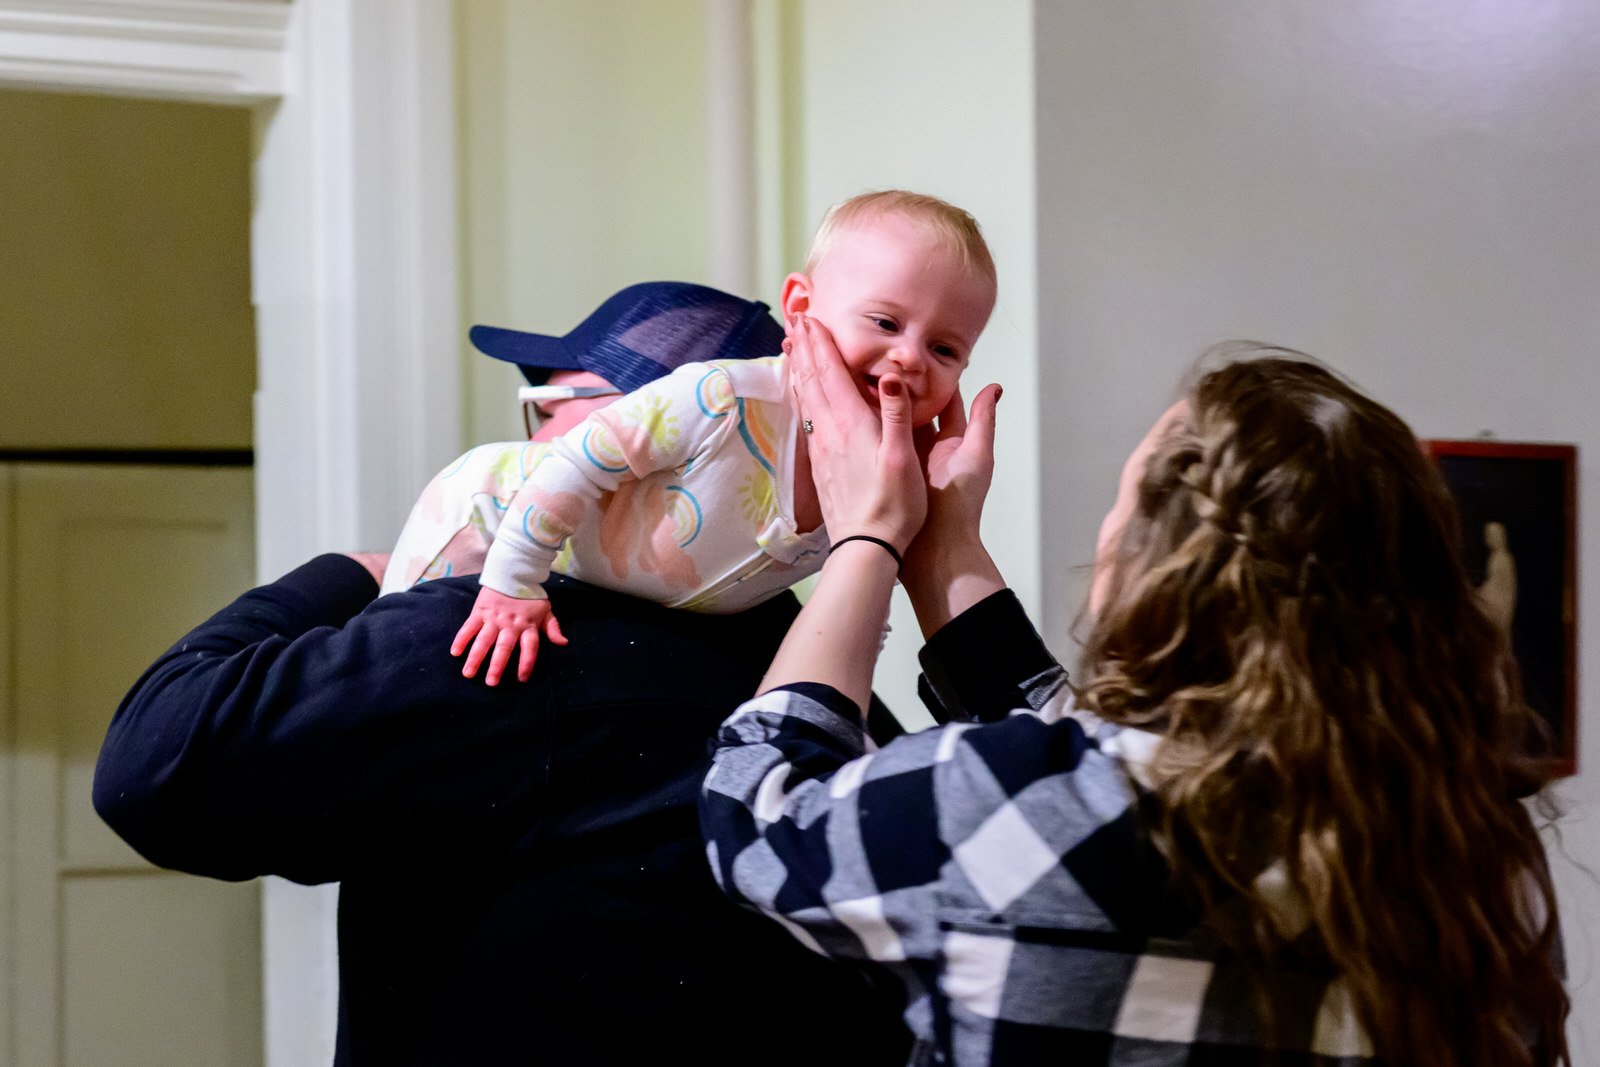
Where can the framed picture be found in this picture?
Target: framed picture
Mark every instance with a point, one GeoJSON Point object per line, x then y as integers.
{"type": "Point", "coordinates": [1519, 535]}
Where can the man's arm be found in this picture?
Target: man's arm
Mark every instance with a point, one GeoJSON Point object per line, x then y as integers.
{"type": "Point", "coordinates": [294, 733]}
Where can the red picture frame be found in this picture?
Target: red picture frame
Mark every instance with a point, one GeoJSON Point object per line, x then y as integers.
{"type": "Point", "coordinates": [1527, 571]}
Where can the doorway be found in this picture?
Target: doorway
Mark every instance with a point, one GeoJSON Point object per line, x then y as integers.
{"type": "Point", "coordinates": [127, 505]}
{"type": "Point", "coordinates": [353, 278]}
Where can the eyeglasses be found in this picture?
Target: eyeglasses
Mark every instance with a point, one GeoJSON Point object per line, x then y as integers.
{"type": "Point", "coordinates": [531, 396]}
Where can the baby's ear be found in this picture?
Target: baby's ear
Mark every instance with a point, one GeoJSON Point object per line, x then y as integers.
{"type": "Point", "coordinates": [795, 298]}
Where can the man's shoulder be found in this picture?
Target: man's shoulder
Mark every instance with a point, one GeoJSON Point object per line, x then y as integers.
{"type": "Point", "coordinates": [762, 625]}
{"type": "Point", "coordinates": [624, 645]}
{"type": "Point", "coordinates": [579, 603]}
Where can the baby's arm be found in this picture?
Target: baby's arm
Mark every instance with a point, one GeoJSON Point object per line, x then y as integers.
{"type": "Point", "coordinates": [658, 427]}
{"type": "Point", "coordinates": [512, 610]}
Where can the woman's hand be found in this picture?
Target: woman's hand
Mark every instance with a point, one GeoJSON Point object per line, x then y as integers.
{"type": "Point", "coordinates": [947, 568]}
{"type": "Point", "coordinates": [864, 462]}
{"type": "Point", "coordinates": [958, 459]}
{"type": "Point", "coordinates": [869, 481]}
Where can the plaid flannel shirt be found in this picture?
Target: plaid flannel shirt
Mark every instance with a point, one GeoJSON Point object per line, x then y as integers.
{"type": "Point", "coordinates": [997, 866]}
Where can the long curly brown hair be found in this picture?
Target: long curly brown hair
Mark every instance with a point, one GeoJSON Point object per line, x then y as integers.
{"type": "Point", "coordinates": [1287, 606]}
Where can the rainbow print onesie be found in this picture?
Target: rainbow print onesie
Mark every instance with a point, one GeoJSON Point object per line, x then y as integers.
{"type": "Point", "coordinates": [681, 492]}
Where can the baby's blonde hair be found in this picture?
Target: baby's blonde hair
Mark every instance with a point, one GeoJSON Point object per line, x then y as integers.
{"type": "Point", "coordinates": [952, 228]}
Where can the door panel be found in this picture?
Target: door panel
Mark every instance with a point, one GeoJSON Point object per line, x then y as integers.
{"type": "Point", "coordinates": [8, 720]}
{"type": "Point", "coordinates": [117, 963]}
{"type": "Point", "coordinates": [151, 965]}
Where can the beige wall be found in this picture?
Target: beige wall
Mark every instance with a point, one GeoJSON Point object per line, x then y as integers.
{"type": "Point", "coordinates": [124, 260]}
{"type": "Point", "coordinates": [584, 149]}
{"type": "Point", "coordinates": [1405, 190]}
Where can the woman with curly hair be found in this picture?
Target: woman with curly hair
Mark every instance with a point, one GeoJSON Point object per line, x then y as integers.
{"type": "Point", "coordinates": [1280, 814]}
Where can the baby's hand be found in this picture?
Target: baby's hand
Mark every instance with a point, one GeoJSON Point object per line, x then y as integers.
{"type": "Point", "coordinates": [502, 623]}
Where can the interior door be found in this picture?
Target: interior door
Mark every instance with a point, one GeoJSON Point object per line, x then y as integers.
{"type": "Point", "coordinates": [111, 961]}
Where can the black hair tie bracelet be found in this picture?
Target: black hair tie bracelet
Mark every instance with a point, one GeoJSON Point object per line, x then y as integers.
{"type": "Point", "coordinates": [887, 547]}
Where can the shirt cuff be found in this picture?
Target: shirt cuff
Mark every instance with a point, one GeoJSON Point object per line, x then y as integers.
{"type": "Point", "coordinates": [977, 665]}
{"type": "Point", "coordinates": [828, 698]}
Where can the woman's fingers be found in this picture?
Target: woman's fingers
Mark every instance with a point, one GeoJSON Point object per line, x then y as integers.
{"type": "Point", "coordinates": [864, 458]}
{"type": "Point", "coordinates": [802, 370]}
{"type": "Point", "coordinates": [906, 501]}
{"type": "Point", "coordinates": [828, 371]}
{"type": "Point", "coordinates": [981, 428]}
{"type": "Point", "coordinates": [894, 405]}
{"type": "Point", "coordinates": [953, 419]}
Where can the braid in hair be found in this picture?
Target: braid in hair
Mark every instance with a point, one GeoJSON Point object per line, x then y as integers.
{"type": "Point", "coordinates": [1288, 608]}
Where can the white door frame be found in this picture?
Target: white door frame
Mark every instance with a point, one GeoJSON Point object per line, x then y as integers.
{"type": "Point", "coordinates": [355, 286]}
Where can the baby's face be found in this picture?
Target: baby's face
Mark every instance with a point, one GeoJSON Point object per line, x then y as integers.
{"type": "Point", "coordinates": [895, 300]}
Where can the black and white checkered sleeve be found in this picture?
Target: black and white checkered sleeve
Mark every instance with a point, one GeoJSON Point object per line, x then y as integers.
{"type": "Point", "coordinates": [850, 850]}
{"type": "Point", "coordinates": [802, 824]}
{"type": "Point", "coordinates": [1002, 870]}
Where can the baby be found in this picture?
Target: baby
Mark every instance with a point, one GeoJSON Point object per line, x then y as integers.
{"type": "Point", "coordinates": [695, 490]}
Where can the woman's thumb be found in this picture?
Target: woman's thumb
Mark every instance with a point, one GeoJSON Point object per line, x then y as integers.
{"type": "Point", "coordinates": [894, 400]}
{"type": "Point", "coordinates": [894, 403]}
{"type": "Point", "coordinates": [981, 424]}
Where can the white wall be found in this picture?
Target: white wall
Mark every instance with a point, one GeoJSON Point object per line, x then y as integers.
{"type": "Point", "coordinates": [1405, 189]}
{"type": "Point", "coordinates": [935, 96]}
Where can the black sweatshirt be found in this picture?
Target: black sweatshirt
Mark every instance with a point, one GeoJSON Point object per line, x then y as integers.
{"type": "Point", "coordinates": [522, 873]}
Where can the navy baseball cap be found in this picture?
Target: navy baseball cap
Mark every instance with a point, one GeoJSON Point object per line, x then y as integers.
{"type": "Point", "coordinates": [642, 333]}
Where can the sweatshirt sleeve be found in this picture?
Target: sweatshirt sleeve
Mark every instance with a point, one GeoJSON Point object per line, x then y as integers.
{"type": "Point", "coordinates": [664, 425]}
{"type": "Point", "coordinates": [295, 733]}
